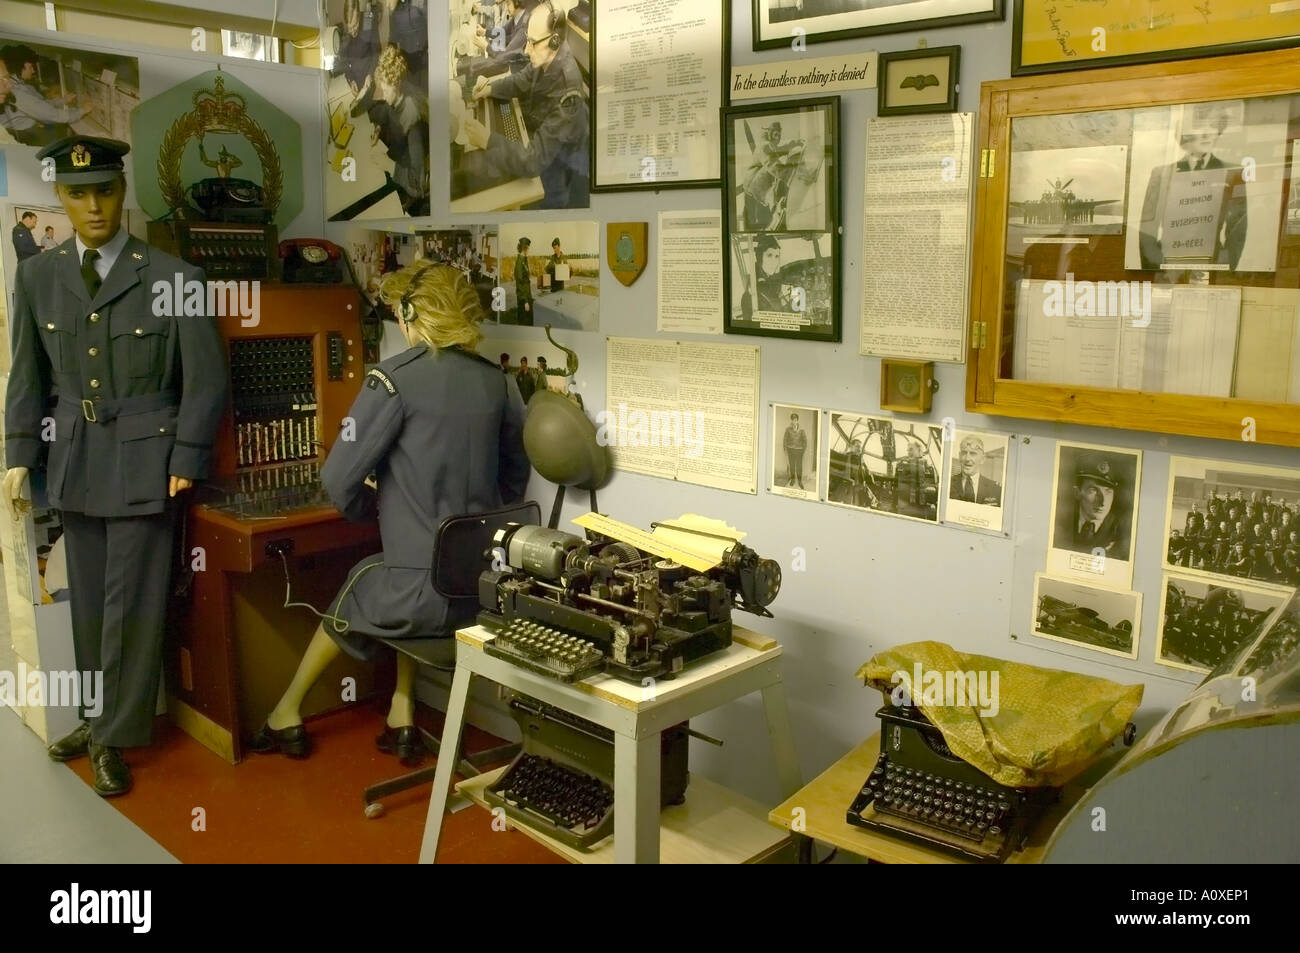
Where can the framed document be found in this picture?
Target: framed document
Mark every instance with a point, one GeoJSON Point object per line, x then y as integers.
{"type": "Point", "coordinates": [1050, 37]}
{"type": "Point", "coordinates": [659, 81]}
{"type": "Point", "coordinates": [778, 23]}
{"type": "Point", "coordinates": [919, 81]}
{"type": "Point", "coordinates": [781, 219]}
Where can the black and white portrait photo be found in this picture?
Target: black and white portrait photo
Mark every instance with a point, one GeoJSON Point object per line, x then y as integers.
{"type": "Point", "coordinates": [1202, 622]}
{"type": "Point", "coordinates": [780, 173]}
{"type": "Point", "coordinates": [782, 282]}
{"type": "Point", "coordinates": [520, 114]}
{"type": "Point", "coordinates": [1095, 513]}
{"type": "Point", "coordinates": [1235, 520]}
{"type": "Point", "coordinates": [794, 451]}
{"type": "Point", "coordinates": [977, 478]}
{"type": "Point", "coordinates": [884, 465]}
{"type": "Point", "coordinates": [1205, 186]}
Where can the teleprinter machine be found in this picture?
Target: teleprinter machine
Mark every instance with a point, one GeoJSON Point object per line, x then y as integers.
{"type": "Point", "coordinates": [633, 604]}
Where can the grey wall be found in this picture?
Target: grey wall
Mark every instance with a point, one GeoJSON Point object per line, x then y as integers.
{"type": "Point", "coordinates": [871, 581]}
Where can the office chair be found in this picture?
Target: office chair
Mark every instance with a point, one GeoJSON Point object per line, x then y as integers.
{"type": "Point", "coordinates": [458, 559]}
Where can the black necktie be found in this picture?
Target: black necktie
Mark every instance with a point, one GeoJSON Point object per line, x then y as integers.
{"type": "Point", "coordinates": [968, 490]}
{"type": "Point", "coordinates": [88, 273]}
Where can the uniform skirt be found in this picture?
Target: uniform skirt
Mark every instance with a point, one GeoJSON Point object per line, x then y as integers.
{"type": "Point", "coordinates": [392, 603]}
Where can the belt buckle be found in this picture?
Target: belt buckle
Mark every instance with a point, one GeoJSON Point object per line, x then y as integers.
{"type": "Point", "coordinates": [88, 410]}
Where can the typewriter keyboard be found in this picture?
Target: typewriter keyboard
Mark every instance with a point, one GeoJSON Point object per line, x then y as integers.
{"type": "Point", "coordinates": [957, 807]}
{"type": "Point", "coordinates": [547, 651]}
{"type": "Point", "coordinates": [577, 805]}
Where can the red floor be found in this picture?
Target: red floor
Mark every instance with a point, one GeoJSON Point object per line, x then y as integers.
{"type": "Point", "coordinates": [272, 809]}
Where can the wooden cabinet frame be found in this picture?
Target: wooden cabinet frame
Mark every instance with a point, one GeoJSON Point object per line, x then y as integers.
{"type": "Point", "coordinates": [1230, 77]}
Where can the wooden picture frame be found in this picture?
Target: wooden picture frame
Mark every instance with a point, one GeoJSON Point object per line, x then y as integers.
{"type": "Point", "coordinates": [777, 23]}
{"type": "Point", "coordinates": [1054, 37]}
{"type": "Point", "coordinates": [909, 82]}
{"type": "Point", "coordinates": [692, 163]}
{"type": "Point", "coordinates": [1003, 245]}
{"type": "Point", "coordinates": [781, 219]}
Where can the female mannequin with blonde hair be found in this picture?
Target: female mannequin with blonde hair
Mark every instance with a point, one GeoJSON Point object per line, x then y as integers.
{"type": "Point", "coordinates": [441, 429]}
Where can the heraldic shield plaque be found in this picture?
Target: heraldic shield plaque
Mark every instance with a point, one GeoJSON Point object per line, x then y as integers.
{"type": "Point", "coordinates": [626, 249]}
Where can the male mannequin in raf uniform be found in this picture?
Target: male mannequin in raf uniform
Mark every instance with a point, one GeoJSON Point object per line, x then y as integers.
{"type": "Point", "coordinates": [139, 400]}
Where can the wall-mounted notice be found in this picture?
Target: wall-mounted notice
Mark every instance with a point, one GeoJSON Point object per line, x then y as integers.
{"type": "Point", "coordinates": [690, 272]}
{"type": "Point", "coordinates": [829, 74]}
{"type": "Point", "coordinates": [682, 411]}
{"type": "Point", "coordinates": [914, 237]}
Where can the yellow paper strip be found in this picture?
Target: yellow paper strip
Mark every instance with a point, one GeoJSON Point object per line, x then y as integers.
{"type": "Point", "coordinates": [645, 541]}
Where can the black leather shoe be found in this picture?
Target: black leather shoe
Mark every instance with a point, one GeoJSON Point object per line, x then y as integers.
{"type": "Point", "coordinates": [112, 776]}
{"type": "Point", "coordinates": [405, 742]}
{"type": "Point", "coordinates": [72, 745]}
{"type": "Point", "coordinates": [291, 741]}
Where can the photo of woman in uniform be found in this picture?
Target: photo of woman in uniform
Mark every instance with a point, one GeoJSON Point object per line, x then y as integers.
{"type": "Point", "coordinates": [441, 429]}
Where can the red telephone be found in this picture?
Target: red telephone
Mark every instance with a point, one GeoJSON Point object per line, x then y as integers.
{"type": "Point", "coordinates": [311, 260]}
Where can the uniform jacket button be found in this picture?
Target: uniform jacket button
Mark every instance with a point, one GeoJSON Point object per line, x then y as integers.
{"type": "Point", "coordinates": [94, 352]}
{"type": "Point", "coordinates": [94, 318]}
{"type": "Point", "coordinates": [49, 326]}
{"type": "Point", "coordinates": [139, 330]}
{"type": "Point", "coordinates": [93, 382]}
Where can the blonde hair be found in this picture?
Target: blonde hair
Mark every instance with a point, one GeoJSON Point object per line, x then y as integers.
{"type": "Point", "coordinates": [392, 66]}
{"type": "Point", "coordinates": [447, 309]}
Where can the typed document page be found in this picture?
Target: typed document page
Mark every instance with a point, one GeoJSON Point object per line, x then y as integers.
{"type": "Point", "coordinates": [690, 272]}
{"type": "Point", "coordinates": [683, 411]}
{"type": "Point", "coordinates": [914, 244]}
{"type": "Point", "coordinates": [1268, 351]}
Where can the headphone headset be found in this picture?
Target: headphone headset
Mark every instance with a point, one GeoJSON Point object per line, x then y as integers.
{"type": "Point", "coordinates": [555, 23]}
{"type": "Point", "coordinates": [406, 310]}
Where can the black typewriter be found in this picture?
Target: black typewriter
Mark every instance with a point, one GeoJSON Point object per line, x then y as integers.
{"type": "Point", "coordinates": [920, 791]}
{"type": "Point", "coordinates": [642, 616]}
{"type": "Point", "coordinates": [562, 781]}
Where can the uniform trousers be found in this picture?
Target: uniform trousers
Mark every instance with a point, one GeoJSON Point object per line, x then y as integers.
{"type": "Point", "coordinates": [119, 575]}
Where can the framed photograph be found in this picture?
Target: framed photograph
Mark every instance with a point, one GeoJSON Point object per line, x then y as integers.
{"type": "Point", "coordinates": [1203, 621]}
{"type": "Point", "coordinates": [656, 94]}
{"type": "Point", "coordinates": [1104, 620]}
{"type": "Point", "coordinates": [1233, 520]}
{"type": "Point", "coordinates": [977, 480]}
{"type": "Point", "coordinates": [1052, 37]}
{"type": "Point", "coordinates": [781, 219]}
{"type": "Point", "coordinates": [519, 107]}
{"type": "Point", "coordinates": [884, 466]}
{"type": "Point", "coordinates": [778, 22]}
{"type": "Point", "coordinates": [919, 81]}
{"type": "Point", "coordinates": [795, 451]}
{"type": "Point", "coordinates": [1094, 518]}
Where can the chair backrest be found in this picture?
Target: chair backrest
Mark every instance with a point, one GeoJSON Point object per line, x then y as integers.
{"type": "Point", "coordinates": [462, 541]}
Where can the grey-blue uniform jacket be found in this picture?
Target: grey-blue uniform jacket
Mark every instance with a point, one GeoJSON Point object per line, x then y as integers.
{"type": "Point", "coordinates": [155, 385]}
{"type": "Point", "coordinates": [442, 431]}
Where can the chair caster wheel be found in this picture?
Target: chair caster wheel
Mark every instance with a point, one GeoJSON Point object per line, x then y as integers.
{"type": "Point", "coordinates": [374, 810]}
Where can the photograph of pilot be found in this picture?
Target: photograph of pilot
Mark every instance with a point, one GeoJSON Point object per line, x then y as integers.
{"type": "Point", "coordinates": [784, 282]}
{"type": "Point", "coordinates": [528, 290]}
{"type": "Point", "coordinates": [1104, 620]}
{"type": "Point", "coordinates": [50, 92]}
{"type": "Point", "coordinates": [977, 474]}
{"type": "Point", "coordinates": [795, 431]}
{"type": "Point", "coordinates": [1192, 203]}
{"type": "Point", "coordinates": [1234, 520]}
{"type": "Point", "coordinates": [780, 173]}
{"type": "Point", "coordinates": [520, 120]}
{"type": "Point", "coordinates": [879, 464]}
{"type": "Point", "coordinates": [1095, 513]}
{"type": "Point", "coordinates": [1202, 622]}
{"type": "Point", "coordinates": [377, 107]}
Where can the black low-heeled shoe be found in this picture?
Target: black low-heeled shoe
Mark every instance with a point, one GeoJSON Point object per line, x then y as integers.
{"type": "Point", "coordinates": [291, 741]}
{"type": "Point", "coordinates": [404, 742]}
